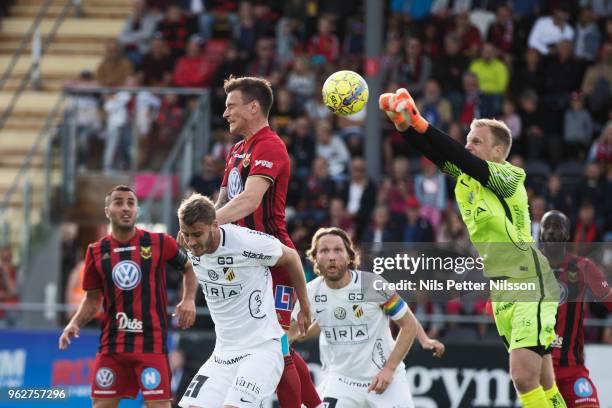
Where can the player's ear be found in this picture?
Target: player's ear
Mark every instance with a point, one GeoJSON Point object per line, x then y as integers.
{"type": "Point", "coordinates": [107, 212]}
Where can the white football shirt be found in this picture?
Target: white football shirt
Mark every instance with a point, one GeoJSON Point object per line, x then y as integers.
{"type": "Point", "coordinates": [237, 285]}
{"type": "Point", "coordinates": [355, 337]}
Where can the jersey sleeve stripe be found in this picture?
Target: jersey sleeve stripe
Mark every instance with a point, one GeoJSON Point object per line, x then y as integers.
{"type": "Point", "coordinates": [394, 306]}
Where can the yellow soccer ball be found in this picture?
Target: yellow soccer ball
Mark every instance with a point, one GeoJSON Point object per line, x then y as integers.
{"type": "Point", "coordinates": [345, 93]}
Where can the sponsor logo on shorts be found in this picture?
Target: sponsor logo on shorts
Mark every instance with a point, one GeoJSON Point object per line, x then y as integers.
{"type": "Point", "coordinates": [150, 378]}
{"type": "Point", "coordinates": [283, 297]}
{"type": "Point", "coordinates": [124, 323]}
{"type": "Point", "coordinates": [353, 383]}
{"type": "Point", "coordinates": [229, 361]}
{"type": "Point", "coordinates": [247, 387]}
{"type": "Point", "coordinates": [126, 275]}
{"type": "Point", "coordinates": [105, 377]}
{"type": "Point", "coordinates": [557, 342]}
{"type": "Point", "coordinates": [583, 388]}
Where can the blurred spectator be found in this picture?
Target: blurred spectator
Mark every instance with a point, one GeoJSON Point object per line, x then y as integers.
{"type": "Point", "coordinates": [381, 229]}
{"type": "Point", "coordinates": [286, 40]}
{"type": "Point", "coordinates": [563, 76]}
{"type": "Point", "coordinates": [315, 108]}
{"type": "Point", "coordinates": [137, 31]}
{"type": "Point", "coordinates": [533, 126]}
{"type": "Point", "coordinates": [429, 313]}
{"type": "Point", "coordinates": [432, 46]}
{"type": "Point", "coordinates": [415, 68]}
{"type": "Point", "coordinates": [597, 84]}
{"type": "Point", "coordinates": [88, 120]}
{"type": "Point", "coordinates": [601, 149]}
{"type": "Point", "coordinates": [501, 32]}
{"type": "Point", "coordinates": [391, 59]}
{"type": "Point", "coordinates": [453, 232]}
{"type": "Point", "coordinates": [114, 68]}
{"type": "Point", "coordinates": [338, 217]}
{"type": "Point", "coordinates": [359, 194]}
{"type": "Point", "coordinates": [156, 67]}
{"type": "Point", "coordinates": [206, 182]}
{"type": "Point", "coordinates": [166, 129]}
{"type": "Point", "coordinates": [74, 292]}
{"type": "Point", "coordinates": [588, 36]}
{"type": "Point", "coordinates": [353, 44]}
{"type": "Point", "coordinates": [601, 8]}
{"type": "Point", "coordinates": [176, 28]}
{"type": "Point", "coordinates": [193, 70]}
{"type": "Point", "coordinates": [556, 196]}
{"type": "Point", "coordinates": [586, 231]}
{"type": "Point", "coordinates": [528, 73]}
{"type": "Point", "coordinates": [449, 70]}
{"type": "Point", "coordinates": [283, 112]}
{"type": "Point", "coordinates": [416, 228]}
{"type": "Point", "coordinates": [317, 192]}
{"type": "Point", "coordinates": [591, 188]}
{"type": "Point", "coordinates": [434, 107]}
{"type": "Point", "coordinates": [471, 103]}
{"type": "Point", "coordinates": [397, 187]}
{"type": "Point", "coordinates": [232, 64]}
{"type": "Point", "coordinates": [301, 79]}
{"type": "Point", "coordinates": [468, 34]}
{"type": "Point", "coordinates": [492, 74]}
{"type": "Point", "coordinates": [222, 147]}
{"type": "Point", "coordinates": [333, 149]}
{"type": "Point", "coordinates": [248, 30]}
{"type": "Point", "coordinates": [265, 64]}
{"type": "Point", "coordinates": [324, 46]}
{"type": "Point", "coordinates": [118, 133]}
{"type": "Point", "coordinates": [430, 191]}
{"type": "Point", "coordinates": [302, 147]}
{"type": "Point", "coordinates": [511, 118]}
{"type": "Point", "coordinates": [538, 208]}
{"type": "Point", "coordinates": [577, 128]}
{"type": "Point", "coordinates": [8, 279]}
{"type": "Point", "coordinates": [548, 31]}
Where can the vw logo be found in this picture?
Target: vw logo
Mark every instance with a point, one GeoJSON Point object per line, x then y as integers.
{"type": "Point", "coordinates": [213, 275]}
{"type": "Point", "coordinates": [234, 183]}
{"type": "Point", "coordinates": [105, 377]}
{"type": "Point", "coordinates": [126, 275]}
{"type": "Point", "coordinates": [340, 313]}
{"type": "Point", "coordinates": [150, 378]}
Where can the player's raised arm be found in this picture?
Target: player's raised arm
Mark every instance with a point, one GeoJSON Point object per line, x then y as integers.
{"type": "Point", "coordinates": [246, 202]}
{"type": "Point", "coordinates": [291, 260]}
{"type": "Point", "coordinates": [86, 311]}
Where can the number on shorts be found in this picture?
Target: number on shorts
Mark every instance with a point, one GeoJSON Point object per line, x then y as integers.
{"type": "Point", "coordinates": [329, 402]}
{"type": "Point", "coordinates": [194, 388]}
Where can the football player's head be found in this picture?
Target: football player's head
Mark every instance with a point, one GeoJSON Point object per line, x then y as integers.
{"type": "Point", "coordinates": [247, 104]}
{"type": "Point", "coordinates": [489, 139]}
{"type": "Point", "coordinates": [121, 207]}
{"type": "Point", "coordinates": [199, 229]}
{"type": "Point", "coordinates": [332, 253]}
{"type": "Point", "coordinates": [554, 227]}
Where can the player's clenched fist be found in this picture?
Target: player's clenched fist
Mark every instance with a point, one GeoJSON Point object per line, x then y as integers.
{"type": "Point", "coordinates": [401, 109]}
{"type": "Point", "coordinates": [72, 330]}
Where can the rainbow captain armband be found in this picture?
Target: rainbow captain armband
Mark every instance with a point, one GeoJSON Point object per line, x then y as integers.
{"type": "Point", "coordinates": [395, 307]}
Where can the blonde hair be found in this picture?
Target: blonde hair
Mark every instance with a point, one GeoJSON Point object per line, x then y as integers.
{"type": "Point", "coordinates": [311, 253]}
{"type": "Point", "coordinates": [502, 135]}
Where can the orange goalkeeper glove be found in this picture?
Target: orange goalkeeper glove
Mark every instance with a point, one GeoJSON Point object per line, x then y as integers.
{"type": "Point", "coordinates": [402, 110]}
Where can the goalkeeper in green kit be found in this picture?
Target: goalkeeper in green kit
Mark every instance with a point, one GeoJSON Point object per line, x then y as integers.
{"type": "Point", "coordinates": [492, 199]}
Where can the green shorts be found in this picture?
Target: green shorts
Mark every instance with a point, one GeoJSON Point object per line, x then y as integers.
{"type": "Point", "coordinates": [525, 324]}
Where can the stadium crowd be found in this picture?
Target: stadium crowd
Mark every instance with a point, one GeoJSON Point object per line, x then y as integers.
{"type": "Point", "coordinates": [544, 67]}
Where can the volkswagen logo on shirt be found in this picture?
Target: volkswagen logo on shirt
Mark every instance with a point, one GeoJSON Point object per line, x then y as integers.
{"type": "Point", "coordinates": [126, 275]}
{"type": "Point", "coordinates": [234, 183]}
{"type": "Point", "coordinates": [105, 377]}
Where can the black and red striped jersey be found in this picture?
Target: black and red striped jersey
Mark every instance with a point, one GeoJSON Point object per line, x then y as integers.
{"type": "Point", "coordinates": [132, 277]}
{"type": "Point", "coordinates": [576, 276]}
{"type": "Point", "coordinates": [265, 155]}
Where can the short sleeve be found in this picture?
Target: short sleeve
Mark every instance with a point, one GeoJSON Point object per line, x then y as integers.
{"type": "Point", "coordinates": [91, 278]}
{"type": "Point", "coordinates": [227, 164]}
{"type": "Point", "coordinates": [596, 281]}
{"type": "Point", "coordinates": [389, 300]}
{"type": "Point", "coordinates": [268, 159]}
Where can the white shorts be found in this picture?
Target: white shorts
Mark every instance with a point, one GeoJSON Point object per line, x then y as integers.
{"type": "Point", "coordinates": [345, 392]}
{"type": "Point", "coordinates": [239, 378]}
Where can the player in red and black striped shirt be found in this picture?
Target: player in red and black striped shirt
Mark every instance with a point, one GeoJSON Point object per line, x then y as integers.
{"type": "Point", "coordinates": [127, 269]}
{"type": "Point", "coordinates": [253, 194]}
{"type": "Point", "coordinates": [576, 275]}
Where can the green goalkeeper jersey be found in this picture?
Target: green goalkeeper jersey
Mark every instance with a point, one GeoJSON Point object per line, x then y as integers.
{"type": "Point", "coordinates": [497, 219]}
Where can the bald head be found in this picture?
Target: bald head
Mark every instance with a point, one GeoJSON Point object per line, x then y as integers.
{"type": "Point", "coordinates": [554, 227]}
